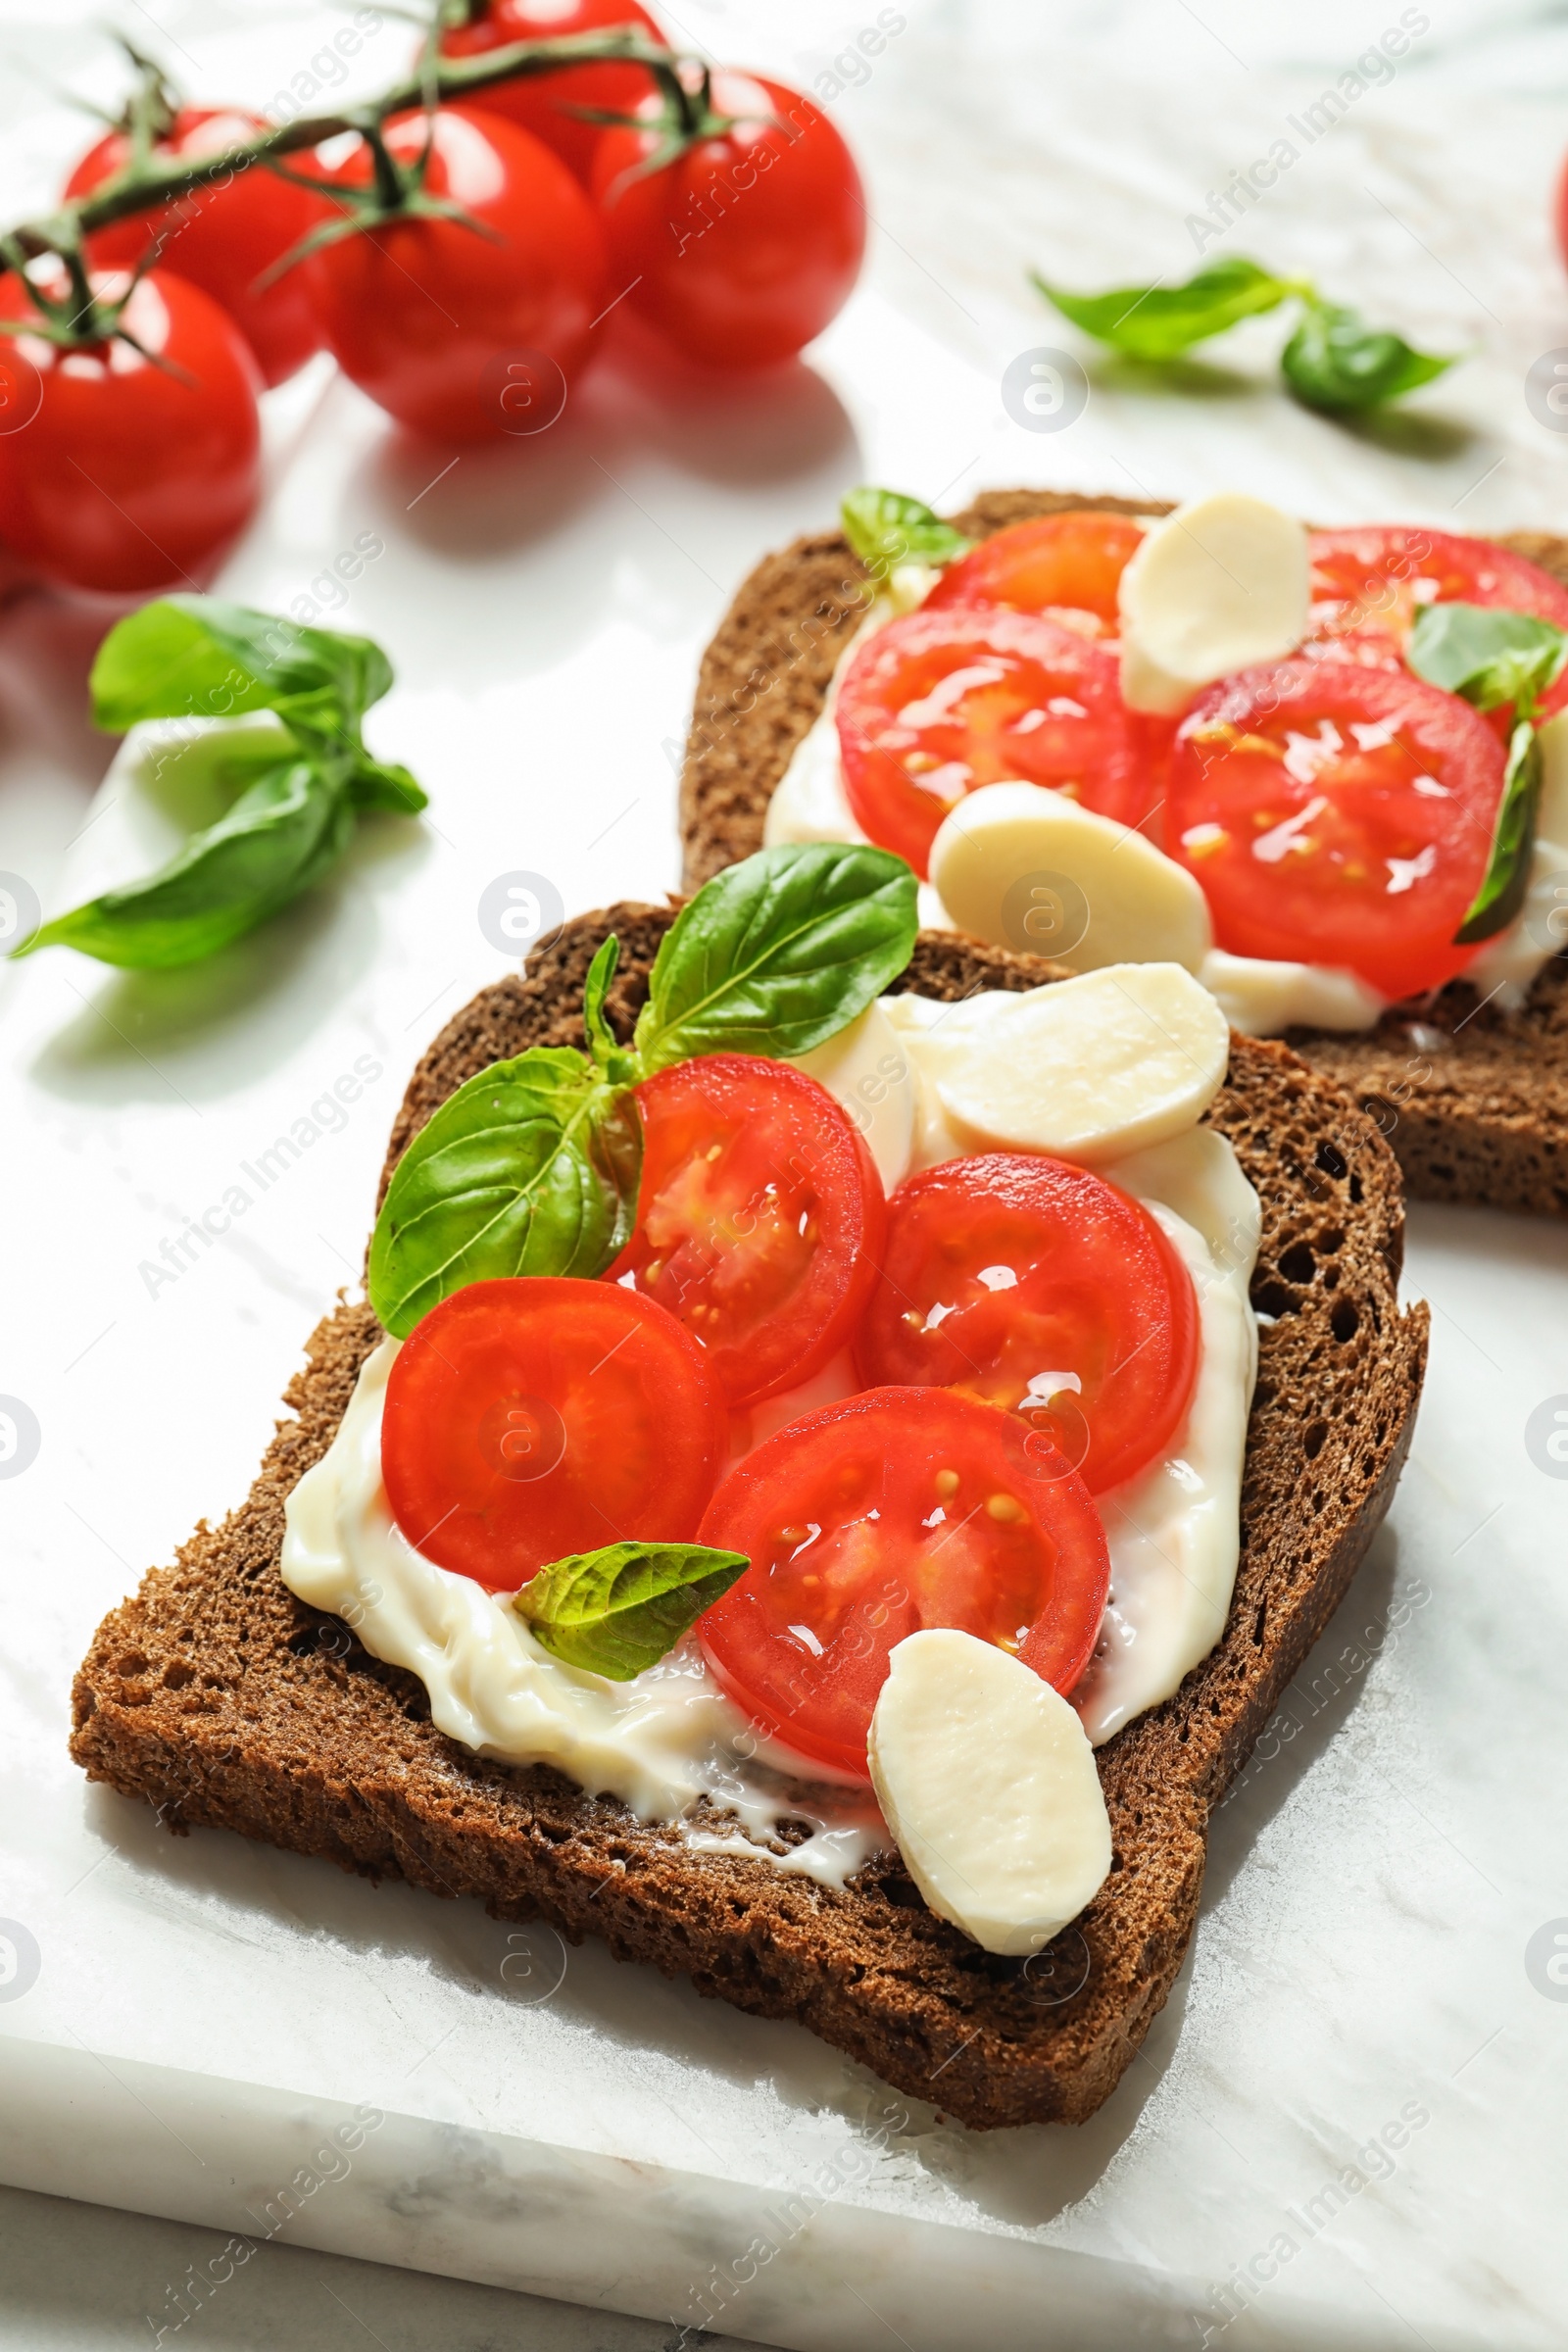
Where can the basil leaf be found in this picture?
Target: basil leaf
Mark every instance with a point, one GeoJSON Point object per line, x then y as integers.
{"type": "Point", "coordinates": [778, 953]}
{"type": "Point", "coordinates": [1337, 363]}
{"type": "Point", "coordinates": [615, 1612]}
{"type": "Point", "coordinates": [383, 784]}
{"type": "Point", "coordinates": [885, 528]}
{"type": "Point", "coordinates": [199, 657]}
{"type": "Point", "coordinates": [1513, 840]}
{"type": "Point", "coordinates": [1159, 323]}
{"type": "Point", "coordinates": [1488, 654]}
{"type": "Point", "coordinates": [281, 833]}
{"type": "Point", "coordinates": [530, 1168]}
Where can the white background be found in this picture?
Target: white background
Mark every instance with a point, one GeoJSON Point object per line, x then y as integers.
{"type": "Point", "coordinates": [1374, 1889]}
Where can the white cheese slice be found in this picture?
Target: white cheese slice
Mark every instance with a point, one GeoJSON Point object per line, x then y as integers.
{"type": "Point", "coordinates": [1264, 999]}
{"type": "Point", "coordinates": [987, 1779]}
{"type": "Point", "coordinates": [866, 1069]}
{"type": "Point", "coordinates": [1217, 586]}
{"type": "Point", "coordinates": [1025, 867]}
{"type": "Point", "coordinates": [1089, 1068]}
{"type": "Point", "coordinates": [810, 803]}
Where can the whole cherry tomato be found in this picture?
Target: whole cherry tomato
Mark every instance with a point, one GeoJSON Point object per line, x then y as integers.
{"type": "Point", "coordinates": [220, 238]}
{"type": "Point", "coordinates": [746, 245]}
{"type": "Point", "coordinates": [469, 328]}
{"type": "Point", "coordinates": [539, 104]}
{"type": "Point", "coordinates": [123, 468]}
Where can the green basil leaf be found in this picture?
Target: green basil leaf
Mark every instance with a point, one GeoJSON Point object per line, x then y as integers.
{"type": "Point", "coordinates": [1337, 363]}
{"type": "Point", "coordinates": [1159, 323]}
{"type": "Point", "coordinates": [200, 657]}
{"type": "Point", "coordinates": [615, 1612]}
{"type": "Point", "coordinates": [383, 784]}
{"type": "Point", "coordinates": [281, 833]}
{"type": "Point", "coordinates": [778, 953]}
{"type": "Point", "coordinates": [1488, 654]}
{"type": "Point", "coordinates": [1513, 840]}
{"type": "Point", "coordinates": [886, 529]}
{"type": "Point", "coordinates": [530, 1168]}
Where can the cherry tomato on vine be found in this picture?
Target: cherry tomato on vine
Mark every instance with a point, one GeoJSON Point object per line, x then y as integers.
{"type": "Point", "coordinates": [1337, 815]}
{"type": "Point", "coordinates": [531, 1418]}
{"type": "Point", "coordinates": [866, 1520]}
{"type": "Point", "coordinates": [1013, 1277]}
{"type": "Point", "coordinates": [220, 238]}
{"type": "Point", "coordinates": [540, 104]}
{"type": "Point", "coordinates": [464, 331]}
{"type": "Point", "coordinates": [1066, 566]}
{"type": "Point", "coordinates": [745, 247]}
{"type": "Point", "coordinates": [759, 1218]}
{"type": "Point", "coordinates": [935, 704]}
{"type": "Point", "coordinates": [121, 471]}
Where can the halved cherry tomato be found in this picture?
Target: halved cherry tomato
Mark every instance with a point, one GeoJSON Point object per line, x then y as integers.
{"type": "Point", "coordinates": [745, 247]}
{"type": "Point", "coordinates": [1337, 816]}
{"type": "Point", "coordinates": [936, 704]}
{"type": "Point", "coordinates": [1369, 583]}
{"type": "Point", "coordinates": [1065, 566]}
{"type": "Point", "coordinates": [126, 469]}
{"type": "Point", "coordinates": [532, 1418]}
{"type": "Point", "coordinates": [1038, 1287]}
{"type": "Point", "coordinates": [541, 103]}
{"type": "Point", "coordinates": [759, 1216]}
{"type": "Point", "coordinates": [865, 1521]}
{"type": "Point", "coordinates": [220, 238]}
{"type": "Point", "coordinates": [462, 327]}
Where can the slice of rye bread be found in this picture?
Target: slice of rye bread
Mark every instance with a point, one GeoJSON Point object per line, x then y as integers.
{"type": "Point", "coordinates": [223, 1700]}
{"type": "Point", "coordinates": [1474, 1099]}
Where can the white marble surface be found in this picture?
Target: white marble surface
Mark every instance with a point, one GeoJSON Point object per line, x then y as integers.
{"type": "Point", "coordinates": [203, 2011]}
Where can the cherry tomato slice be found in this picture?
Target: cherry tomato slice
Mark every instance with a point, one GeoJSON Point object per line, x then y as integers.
{"type": "Point", "coordinates": [1369, 584]}
{"type": "Point", "coordinates": [1337, 816]}
{"type": "Point", "coordinates": [935, 704]}
{"type": "Point", "coordinates": [1066, 567]}
{"type": "Point", "coordinates": [535, 1417]}
{"type": "Point", "coordinates": [542, 104]}
{"type": "Point", "coordinates": [1038, 1287]}
{"type": "Point", "coordinates": [759, 1216]}
{"type": "Point", "coordinates": [868, 1519]}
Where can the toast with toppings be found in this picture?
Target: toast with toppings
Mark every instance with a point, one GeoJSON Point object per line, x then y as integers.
{"type": "Point", "coordinates": [1474, 1099]}
{"type": "Point", "coordinates": [227, 1702]}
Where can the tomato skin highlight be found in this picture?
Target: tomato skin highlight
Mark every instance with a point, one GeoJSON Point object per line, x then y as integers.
{"type": "Point", "coordinates": [1010, 1265]}
{"type": "Point", "coordinates": [538, 105]}
{"type": "Point", "coordinates": [965, 696]}
{"type": "Point", "coordinates": [531, 1418]}
{"type": "Point", "coordinates": [425, 315]}
{"type": "Point", "coordinates": [1363, 852]}
{"type": "Point", "coordinates": [868, 1519]}
{"type": "Point", "coordinates": [745, 246]}
{"type": "Point", "coordinates": [127, 475]}
{"type": "Point", "coordinates": [739, 1154]}
{"type": "Point", "coordinates": [220, 238]}
{"type": "Point", "coordinates": [1065, 567]}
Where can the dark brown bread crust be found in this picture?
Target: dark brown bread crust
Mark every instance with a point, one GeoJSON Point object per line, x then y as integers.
{"type": "Point", "coordinates": [220, 1698]}
{"type": "Point", "coordinates": [1474, 1101]}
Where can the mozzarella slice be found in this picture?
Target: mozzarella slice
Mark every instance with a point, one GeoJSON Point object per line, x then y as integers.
{"type": "Point", "coordinates": [866, 1068]}
{"type": "Point", "coordinates": [1025, 867]}
{"type": "Point", "coordinates": [1088, 1068]}
{"type": "Point", "coordinates": [1264, 999]}
{"type": "Point", "coordinates": [1217, 586]}
{"type": "Point", "coordinates": [987, 1779]}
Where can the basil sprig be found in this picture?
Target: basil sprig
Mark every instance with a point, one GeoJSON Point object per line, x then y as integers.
{"type": "Point", "coordinates": [1333, 362]}
{"type": "Point", "coordinates": [617, 1611]}
{"type": "Point", "coordinates": [196, 656]}
{"type": "Point", "coordinates": [531, 1167]}
{"type": "Point", "coordinates": [1494, 657]}
{"type": "Point", "coordinates": [886, 527]}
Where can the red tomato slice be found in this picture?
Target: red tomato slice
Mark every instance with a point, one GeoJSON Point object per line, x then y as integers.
{"type": "Point", "coordinates": [1368, 585]}
{"type": "Point", "coordinates": [936, 704]}
{"type": "Point", "coordinates": [532, 1418]}
{"type": "Point", "coordinates": [1337, 816]}
{"type": "Point", "coordinates": [1066, 567]}
{"type": "Point", "coordinates": [865, 1521]}
{"type": "Point", "coordinates": [759, 1218]}
{"type": "Point", "coordinates": [1004, 1273]}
